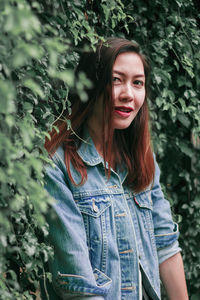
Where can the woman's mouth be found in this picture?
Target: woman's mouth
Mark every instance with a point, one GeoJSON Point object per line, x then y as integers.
{"type": "Point", "coordinates": [123, 111]}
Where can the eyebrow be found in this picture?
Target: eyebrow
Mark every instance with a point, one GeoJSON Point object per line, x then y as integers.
{"type": "Point", "coordinates": [123, 74]}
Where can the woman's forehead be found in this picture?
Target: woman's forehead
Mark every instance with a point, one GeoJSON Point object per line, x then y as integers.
{"type": "Point", "coordinates": [129, 62]}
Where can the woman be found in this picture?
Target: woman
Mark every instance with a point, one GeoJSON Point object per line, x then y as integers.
{"type": "Point", "coordinates": [112, 232]}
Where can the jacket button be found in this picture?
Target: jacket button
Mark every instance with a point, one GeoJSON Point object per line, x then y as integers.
{"type": "Point", "coordinates": [95, 208]}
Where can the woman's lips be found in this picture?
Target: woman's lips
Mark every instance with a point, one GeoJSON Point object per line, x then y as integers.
{"type": "Point", "coordinates": [123, 111]}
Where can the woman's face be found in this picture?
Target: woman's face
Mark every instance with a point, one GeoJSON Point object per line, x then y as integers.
{"type": "Point", "coordinates": [128, 82]}
{"type": "Point", "coordinates": [128, 88]}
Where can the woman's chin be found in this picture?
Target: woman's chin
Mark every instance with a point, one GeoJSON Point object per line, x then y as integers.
{"type": "Point", "coordinates": [122, 125]}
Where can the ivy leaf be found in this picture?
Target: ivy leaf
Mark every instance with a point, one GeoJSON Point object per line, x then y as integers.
{"type": "Point", "coordinates": [186, 149]}
{"type": "Point", "coordinates": [32, 85]}
{"type": "Point", "coordinates": [7, 95]}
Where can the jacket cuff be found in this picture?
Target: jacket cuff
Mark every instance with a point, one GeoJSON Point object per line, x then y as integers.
{"type": "Point", "coordinates": [167, 252]}
{"type": "Point", "coordinates": [69, 285]}
{"type": "Point", "coordinates": [167, 239]}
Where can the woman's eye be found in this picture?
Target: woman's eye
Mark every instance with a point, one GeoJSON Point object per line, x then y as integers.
{"type": "Point", "coordinates": [139, 83]}
{"type": "Point", "coordinates": [116, 79]}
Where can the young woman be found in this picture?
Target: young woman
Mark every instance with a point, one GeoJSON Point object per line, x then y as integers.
{"type": "Point", "coordinates": [112, 232]}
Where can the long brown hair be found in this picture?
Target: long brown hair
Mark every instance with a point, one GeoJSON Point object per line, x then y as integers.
{"type": "Point", "coordinates": [133, 144]}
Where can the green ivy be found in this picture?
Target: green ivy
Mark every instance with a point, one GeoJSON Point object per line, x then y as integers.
{"type": "Point", "coordinates": [40, 46]}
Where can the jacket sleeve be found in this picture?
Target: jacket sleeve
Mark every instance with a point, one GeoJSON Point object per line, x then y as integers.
{"type": "Point", "coordinates": [72, 273]}
{"type": "Point", "coordinates": [165, 230]}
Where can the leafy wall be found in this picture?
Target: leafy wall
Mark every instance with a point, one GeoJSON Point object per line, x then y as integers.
{"type": "Point", "coordinates": [40, 45]}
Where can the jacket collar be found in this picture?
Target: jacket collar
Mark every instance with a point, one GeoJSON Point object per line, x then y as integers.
{"type": "Point", "coordinates": [88, 153]}
{"type": "Point", "coordinates": [87, 150]}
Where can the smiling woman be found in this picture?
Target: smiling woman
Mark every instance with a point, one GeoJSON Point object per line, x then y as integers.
{"type": "Point", "coordinates": [128, 95]}
{"type": "Point", "coordinates": [128, 88]}
{"type": "Point", "coordinates": [98, 113]}
{"type": "Point", "coordinates": [112, 230]}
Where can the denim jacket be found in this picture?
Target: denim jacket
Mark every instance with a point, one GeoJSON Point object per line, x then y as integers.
{"type": "Point", "coordinates": [103, 233]}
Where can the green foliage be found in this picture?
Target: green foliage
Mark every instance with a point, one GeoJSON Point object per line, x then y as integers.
{"type": "Point", "coordinates": [40, 46]}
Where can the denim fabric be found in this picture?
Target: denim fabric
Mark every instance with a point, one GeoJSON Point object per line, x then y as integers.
{"type": "Point", "coordinates": [103, 232]}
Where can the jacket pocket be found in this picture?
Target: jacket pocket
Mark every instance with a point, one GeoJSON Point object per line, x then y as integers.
{"type": "Point", "coordinates": [144, 208]}
{"type": "Point", "coordinates": [96, 216]}
{"type": "Point", "coordinates": [94, 206]}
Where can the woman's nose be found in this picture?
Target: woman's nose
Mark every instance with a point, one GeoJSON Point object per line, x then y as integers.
{"type": "Point", "coordinates": [127, 93]}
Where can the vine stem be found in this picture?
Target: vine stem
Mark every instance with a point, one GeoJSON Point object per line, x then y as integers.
{"type": "Point", "coordinates": [45, 285]}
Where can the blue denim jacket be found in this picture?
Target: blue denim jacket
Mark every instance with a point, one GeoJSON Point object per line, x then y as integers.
{"type": "Point", "coordinates": [103, 232]}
